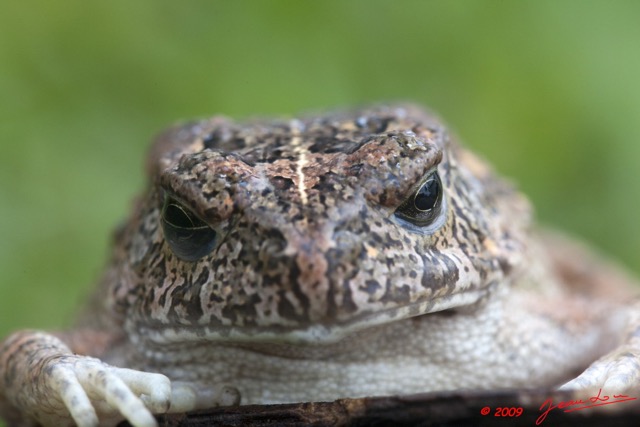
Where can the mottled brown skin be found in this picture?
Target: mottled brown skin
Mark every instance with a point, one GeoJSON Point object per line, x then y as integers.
{"type": "Point", "coordinates": [284, 265]}
{"type": "Point", "coordinates": [323, 281]}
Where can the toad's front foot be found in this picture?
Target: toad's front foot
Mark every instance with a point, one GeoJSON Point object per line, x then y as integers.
{"type": "Point", "coordinates": [92, 391]}
{"type": "Point", "coordinates": [616, 373]}
{"type": "Point", "coordinates": [47, 382]}
{"type": "Point", "coordinates": [95, 393]}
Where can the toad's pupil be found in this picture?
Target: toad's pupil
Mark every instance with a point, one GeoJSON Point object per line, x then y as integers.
{"type": "Point", "coordinates": [177, 217]}
{"type": "Point", "coordinates": [427, 196]}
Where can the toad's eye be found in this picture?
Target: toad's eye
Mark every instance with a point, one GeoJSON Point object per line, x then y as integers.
{"type": "Point", "coordinates": [424, 208]}
{"type": "Point", "coordinates": [188, 236]}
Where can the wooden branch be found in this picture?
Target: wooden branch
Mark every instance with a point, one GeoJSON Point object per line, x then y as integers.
{"type": "Point", "coordinates": [432, 409]}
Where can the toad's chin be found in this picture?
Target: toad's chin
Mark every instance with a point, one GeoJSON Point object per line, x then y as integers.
{"type": "Point", "coordinates": [319, 333]}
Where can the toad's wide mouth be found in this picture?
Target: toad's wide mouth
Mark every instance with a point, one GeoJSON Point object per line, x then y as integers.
{"type": "Point", "coordinates": [321, 333]}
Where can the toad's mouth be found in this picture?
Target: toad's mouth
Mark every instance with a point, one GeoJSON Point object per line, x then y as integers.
{"type": "Point", "coordinates": [157, 333]}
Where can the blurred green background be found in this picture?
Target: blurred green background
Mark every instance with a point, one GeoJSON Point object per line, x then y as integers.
{"type": "Point", "coordinates": [549, 91]}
